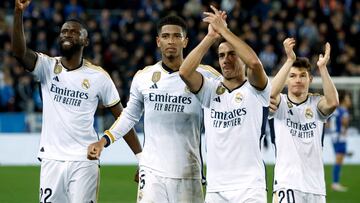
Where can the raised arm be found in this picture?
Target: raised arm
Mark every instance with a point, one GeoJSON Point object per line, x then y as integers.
{"type": "Point", "coordinates": [187, 71]}
{"type": "Point", "coordinates": [278, 82]}
{"type": "Point", "coordinates": [330, 101]}
{"type": "Point", "coordinates": [24, 55]}
{"type": "Point", "coordinates": [256, 74]}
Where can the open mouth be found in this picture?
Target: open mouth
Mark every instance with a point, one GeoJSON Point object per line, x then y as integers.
{"type": "Point", "coordinates": [67, 43]}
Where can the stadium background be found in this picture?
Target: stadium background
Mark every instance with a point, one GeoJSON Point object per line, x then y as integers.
{"type": "Point", "coordinates": [122, 35]}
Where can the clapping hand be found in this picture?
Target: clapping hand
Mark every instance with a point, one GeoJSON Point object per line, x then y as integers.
{"type": "Point", "coordinates": [22, 4]}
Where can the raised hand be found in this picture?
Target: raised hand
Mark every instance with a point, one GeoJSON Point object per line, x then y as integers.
{"type": "Point", "coordinates": [289, 44]}
{"type": "Point", "coordinates": [217, 20]}
{"type": "Point", "coordinates": [212, 32]}
{"type": "Point", "coordinates": [324, 59]}
{"type": "Point", "coordinates": [22, 4]}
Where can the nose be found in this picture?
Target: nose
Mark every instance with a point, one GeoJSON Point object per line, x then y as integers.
{"type": "Point", "coordinates": [65, 34]}
{"type": "Point", "coordinates": [226, 59]}
{"type": "Point", "coordinates": [171, 40]}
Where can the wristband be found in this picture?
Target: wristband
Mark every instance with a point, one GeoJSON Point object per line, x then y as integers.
{"type": "Point", "coordinates": [108, 141]}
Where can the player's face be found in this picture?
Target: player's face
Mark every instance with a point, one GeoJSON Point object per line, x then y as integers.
{"type": "Point", "coordinates": [72, 38]}
{"type": "Point", "coordinates": [171, 41]}
{"type": "Point", "coordinates": [230, 63]}
{"type": "Point", "coordinates": [298, 81]}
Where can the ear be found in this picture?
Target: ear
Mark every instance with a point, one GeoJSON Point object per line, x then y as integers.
{"type": "Point", "coordinates": [185, 42]}
{"type": "Point", "coordinates": [158, 41]}
{"type": "Point", "coordinates": [86, 42]}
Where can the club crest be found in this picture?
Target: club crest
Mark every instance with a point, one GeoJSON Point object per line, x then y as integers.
{"type": "Point", "coordinates": [187, 90]}
{"type": "Point", "coordinates": [85, 84]}
{"type": "Point", "coordinates": [220, 90]}
{"type": "Point", "coordinates": [238, 97]}
{"type": "Point", "coordinates": [156, 76]}
{"type": "Point", "coordinates": [57, 68]}
{"type": "Point", "coordinates": [290, 105]}
{"type": "Point", "coordinates": [308, 113]}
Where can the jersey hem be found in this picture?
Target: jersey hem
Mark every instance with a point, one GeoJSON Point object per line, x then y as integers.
{"type": "Point", "coordinates": [158, 173]}
{"type": "Point", "coordinates": [301, 190]}
{"type": "Point", "coordinates": [67, 159]}
{"type": "Point", "coordinates": [222, 189]}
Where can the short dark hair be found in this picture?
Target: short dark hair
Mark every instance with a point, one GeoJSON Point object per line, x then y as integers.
{"type": "Point", "coordinates": [220, 41]}
{"type": "Point", "coordinates": [81, 23]}
{"type": "Point", "coordinates": [172, 20]}
{"type": "Point", "coordinates": [302, 62]}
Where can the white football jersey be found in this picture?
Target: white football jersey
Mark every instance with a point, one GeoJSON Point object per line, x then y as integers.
{"type": "Point", "coordinates": [298, 131]}
{"type": "Point", "coordinates": [234, 126]}
{"type": "Point", "coordinates": [172, 121]}
{"type": "Point", "coordinates": [70, 99]}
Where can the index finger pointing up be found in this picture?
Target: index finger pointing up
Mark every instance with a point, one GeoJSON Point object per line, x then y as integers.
{"type": "Point", "coordinates": [327, 49]}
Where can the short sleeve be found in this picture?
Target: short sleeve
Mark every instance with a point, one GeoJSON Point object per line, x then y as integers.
{"type": "Point", "coordinates": [204, 95]}
{"type": "Point", "coordinates": [320, 115]}
{"type": "Point", "coordinates": [209, 72]}
{"type": "Point", "coordinates": [108, 93]}
{"type": "Point", "coordinates": [282, 108]}
{"type": "Point", "coordinates": [43, 65]}
{"type": "Point", "coordinates": [264, 95]}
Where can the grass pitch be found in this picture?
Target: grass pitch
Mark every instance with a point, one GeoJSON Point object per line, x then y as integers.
{"type": "Point", "coordinates": [19, 184]}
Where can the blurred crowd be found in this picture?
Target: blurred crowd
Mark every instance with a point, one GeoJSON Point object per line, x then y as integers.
{"type": "Point", "coordinates": [122, 36]}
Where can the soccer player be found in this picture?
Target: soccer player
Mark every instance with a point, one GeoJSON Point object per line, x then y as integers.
{"type": "Point", "coordinates": [71, 89]}
{"type": "Point", "coordinates": [341, 119]}
{"type": "Point", "coordinates": [170, 164]}
{"type": "Point", "coordinates": [236, 115]}
{"type": "Point", "coordinates": [298, 124]}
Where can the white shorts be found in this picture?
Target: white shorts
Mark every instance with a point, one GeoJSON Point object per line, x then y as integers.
{"type": "Point", "coordinates": [68, 181]}
{"type": "Point", "coordinates": [290, 196]}
{"type": "Point", "coordinates": [153, 188]}
{"type": "Point", "coordinates": [253, 195]}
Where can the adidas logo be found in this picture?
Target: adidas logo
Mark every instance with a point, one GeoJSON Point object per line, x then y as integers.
{"type": "Point", "coordinates": [217, 99]}
{"type": "Point", "coordinates": [154, 86]}
{"type": "Point", "coordinates": [56, 78]}
{"type": "Point", "coordinates": [290, 112]}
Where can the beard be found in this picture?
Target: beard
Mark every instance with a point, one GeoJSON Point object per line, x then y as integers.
{"type": "Point", "coordinates": [69, 52]}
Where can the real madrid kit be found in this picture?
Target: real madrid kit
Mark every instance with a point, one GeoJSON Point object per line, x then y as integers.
{"type": "Point", "coordinates": [172, 128]}
{"type": "Point", "coordinates": [297, 134]}
{"type": "Point", "coordinates": [234, 126]}
{"type": "Point", "coordinates": [70, 99]}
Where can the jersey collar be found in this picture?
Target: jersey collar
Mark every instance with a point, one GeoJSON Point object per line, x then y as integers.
{"type": "Point", "coordinates": [68, 70]}
{"type": "Point", "coordinates": [235, 87]}
{"type": "Point", "coordinates": [297, 104]}
{"type": "Point", "coordinates": [167, 69]}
